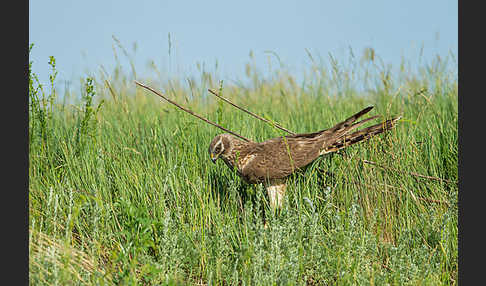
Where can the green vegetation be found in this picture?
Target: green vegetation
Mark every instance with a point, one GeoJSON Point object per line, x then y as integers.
{"type": "Point", "coordinates": [122, 190]}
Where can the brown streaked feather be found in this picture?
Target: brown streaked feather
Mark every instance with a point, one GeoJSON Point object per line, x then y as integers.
{"type": "Point", "coordinates": [346, 123]}
{"type": "Point", "coordinates": [360, 135]}
{"type": "Point", "coordinates": [277, 158]}
{"type": "Point", "coordinates": [358, 124]}
{"type": "Point", "coordinates": [339, 128]}
{"type": "Point", "coordinates": [281, 156]}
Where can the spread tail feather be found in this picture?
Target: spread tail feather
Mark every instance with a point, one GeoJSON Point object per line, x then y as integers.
{"type": "Point", "coordinates": [346, 124]}
{"type": "Point", "coordinates": [360, 135]}
{"type": "Point", "coordinates": [339, 129]}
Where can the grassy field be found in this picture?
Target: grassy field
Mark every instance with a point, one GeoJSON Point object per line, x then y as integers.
{"type": "Point", "coordinates": [122, 190]}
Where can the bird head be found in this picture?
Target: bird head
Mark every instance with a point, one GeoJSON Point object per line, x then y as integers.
{"type": "Point", "coordinates": [220, 145]}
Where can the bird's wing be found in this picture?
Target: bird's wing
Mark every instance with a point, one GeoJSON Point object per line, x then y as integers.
{"type": "Point", "coordinates": [357, 136]}
{"type": "Point", "coordinates": [340, 128]}
{"type": "Point", "coordinates": [279, 157]}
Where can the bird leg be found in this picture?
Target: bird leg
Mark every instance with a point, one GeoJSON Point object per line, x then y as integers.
{"type": "Point", "coordinates": [276, 193]}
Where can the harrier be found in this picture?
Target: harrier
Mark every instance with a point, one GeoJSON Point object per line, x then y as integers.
{"type": "Point", "coordinates": [270, 162]}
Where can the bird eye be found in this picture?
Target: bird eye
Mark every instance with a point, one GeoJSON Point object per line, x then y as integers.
{"type": "Point", "coordinates": [217, 148]}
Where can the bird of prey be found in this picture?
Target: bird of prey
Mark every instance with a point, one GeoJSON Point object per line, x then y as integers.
{"type": "Point", "coordinates": [270, 162]}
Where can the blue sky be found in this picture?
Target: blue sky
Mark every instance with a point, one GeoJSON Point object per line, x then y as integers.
{"type": "Point", "coordinates": [79, 33]}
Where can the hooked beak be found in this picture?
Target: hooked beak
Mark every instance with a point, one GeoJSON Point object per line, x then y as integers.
{"type": "Point", "coordinates": [214, 158]}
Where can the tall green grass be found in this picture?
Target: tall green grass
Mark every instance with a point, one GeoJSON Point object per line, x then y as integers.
{"type": "Point", "coordinates": [121, 189]}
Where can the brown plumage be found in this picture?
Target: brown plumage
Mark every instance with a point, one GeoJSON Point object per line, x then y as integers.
{"type": "Point", "coordinates": [271, 161]}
